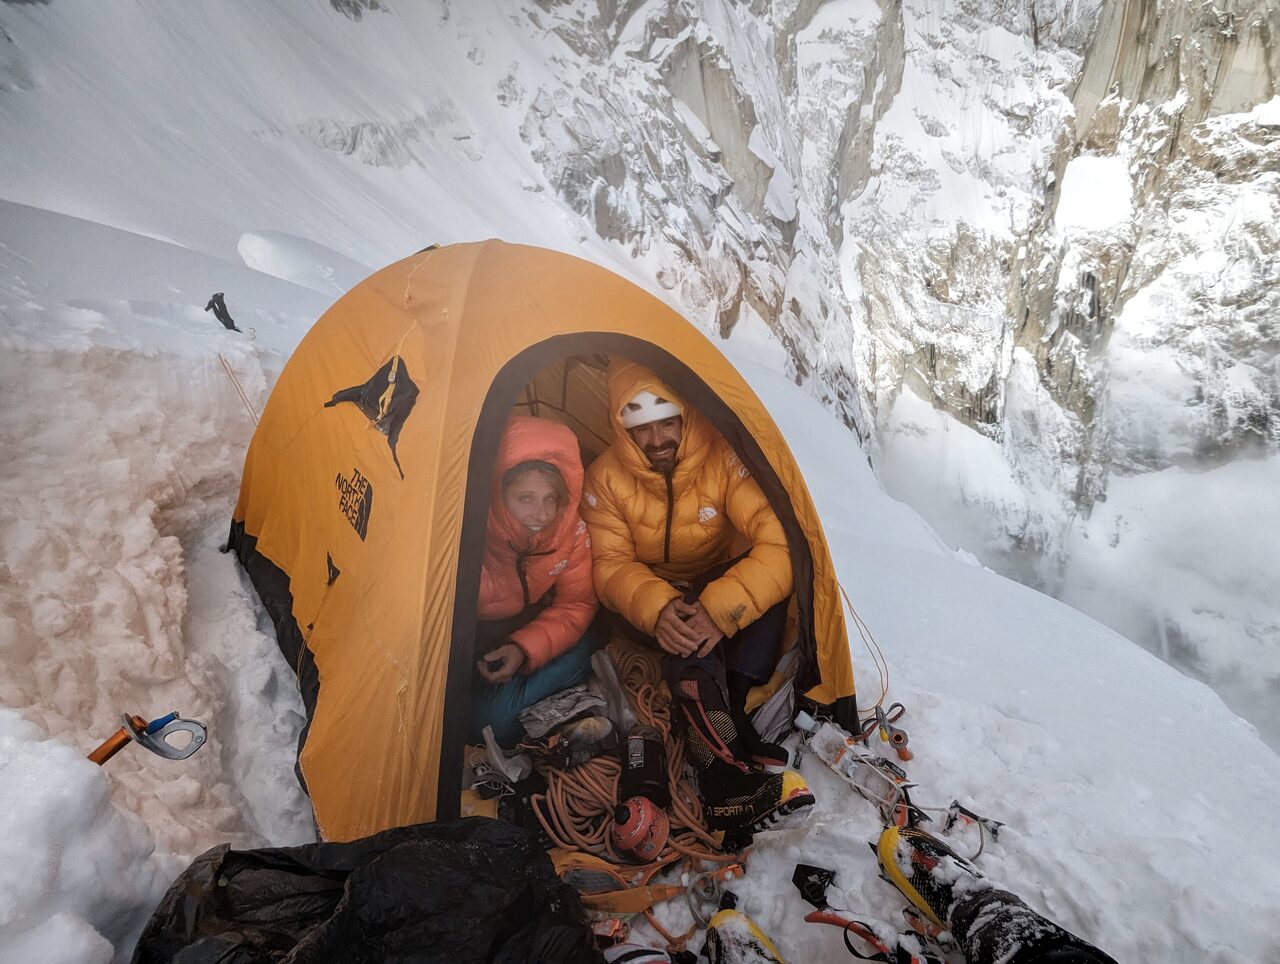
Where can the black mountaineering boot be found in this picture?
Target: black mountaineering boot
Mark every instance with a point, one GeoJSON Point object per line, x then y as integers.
{"type": "Point", "coordinates": [929, 874]}
{"type": "Point", "coordinates": [988, 924]}
{"type": "Point", "coordinates": [742, 801]}
{"type": "Point", "coordinates": [736, 797]}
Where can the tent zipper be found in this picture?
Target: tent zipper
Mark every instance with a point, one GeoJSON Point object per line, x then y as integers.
{"type": "Point", "coordinates": [521, 557]}
{"type": "Point", "coordinates": [671, 501]}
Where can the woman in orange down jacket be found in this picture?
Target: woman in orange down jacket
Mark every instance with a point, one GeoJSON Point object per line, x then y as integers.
{"type": "Point", "coordinates": [535, 629]}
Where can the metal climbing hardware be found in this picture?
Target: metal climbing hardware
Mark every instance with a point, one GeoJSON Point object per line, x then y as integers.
{"type": "Point", "coordinates": [887, 947]}
{"type": "Point", "coordinates": [882, 783]}
{"type": "Point", "coordinates": [894, 736]}
{"type": "Point", "coordinates": [384, 401]}
{"type": "Point", "coordinates": [958, 814]}
{"type": "Point", "coordinates": [154, 736]}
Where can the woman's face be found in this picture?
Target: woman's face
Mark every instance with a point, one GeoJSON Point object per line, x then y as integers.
{"type": "Point", "coordinates": [531, 499]}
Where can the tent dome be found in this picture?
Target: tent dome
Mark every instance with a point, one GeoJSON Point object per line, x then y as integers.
{"type": "Point", "coordinates": [362, 508]}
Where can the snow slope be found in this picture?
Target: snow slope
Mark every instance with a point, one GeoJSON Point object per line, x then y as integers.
{"type": "Point", "coordinates": [228, 126]}
{"type": "Point", "coordinates": [1127, 786]}
{"type": "Point", "coordinates": [1116, 775]}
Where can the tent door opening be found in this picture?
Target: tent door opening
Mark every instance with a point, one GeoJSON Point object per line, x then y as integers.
{"type": "Point", "coordinates": [564, 379]}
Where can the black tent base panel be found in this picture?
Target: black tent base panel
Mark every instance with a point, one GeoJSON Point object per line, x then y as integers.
{"type": "Point", "coordinates": [843, 712]}
{"type": "Point", "coordinates": [272, 585]}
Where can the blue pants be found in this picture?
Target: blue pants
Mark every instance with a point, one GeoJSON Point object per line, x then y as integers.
{"type": "Point", "coordinates": [500, 706]}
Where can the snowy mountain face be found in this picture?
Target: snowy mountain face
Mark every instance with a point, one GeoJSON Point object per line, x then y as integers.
{"type": "Point", "coordinates": [1129, 447]}
{"type": "Point", "coordinates": [1023, 253]}
{"type": "Point", "coordinates": [1028, 252]}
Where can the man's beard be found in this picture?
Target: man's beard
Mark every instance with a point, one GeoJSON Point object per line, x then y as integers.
{"type": "Point", "coordinates": [662, 458]}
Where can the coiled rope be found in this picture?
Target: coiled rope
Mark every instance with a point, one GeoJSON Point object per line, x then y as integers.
{"type": "Point", "coordinates": [577, 810]}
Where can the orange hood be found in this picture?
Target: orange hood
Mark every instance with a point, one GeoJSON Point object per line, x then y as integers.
{"type": "Point", "coordinates": [534, 439]}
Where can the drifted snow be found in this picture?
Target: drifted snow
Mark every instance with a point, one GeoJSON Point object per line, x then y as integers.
{"type": "Point", "coordinates": [300, 261]}
{"type": "Point", "coordinates": [78, 876]}
{"type": "Point", "coordinates": [1267, 114]}
{"type": "Point", "coordinates": [123, 441]}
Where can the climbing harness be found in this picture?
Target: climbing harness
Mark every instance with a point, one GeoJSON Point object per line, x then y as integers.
{"type": "Point", "coordinates": [612, 893]}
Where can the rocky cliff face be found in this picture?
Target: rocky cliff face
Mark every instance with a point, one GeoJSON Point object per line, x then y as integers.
{"type": "Point", "coordinates": [1025, 249]}
{"type": "Point", "coordinates": [680, 142]}
{"type": "Point", "coordinates": [857, 178]}
{"type": "Point", "coordinates": [1195, 245]}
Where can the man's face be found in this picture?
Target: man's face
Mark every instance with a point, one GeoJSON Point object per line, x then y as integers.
{"type": "Point", "coordinates": [659, 441]}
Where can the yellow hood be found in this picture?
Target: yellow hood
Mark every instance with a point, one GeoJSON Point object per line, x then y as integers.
{"type": "Point", "coordinates": [626, 379]}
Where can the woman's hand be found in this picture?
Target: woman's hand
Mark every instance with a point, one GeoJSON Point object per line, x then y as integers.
{"type": "Point", "coordinates": [499, 665]}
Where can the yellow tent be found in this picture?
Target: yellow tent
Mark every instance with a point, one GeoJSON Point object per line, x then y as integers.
{"type": "Point", "coordinates": [362, 510]}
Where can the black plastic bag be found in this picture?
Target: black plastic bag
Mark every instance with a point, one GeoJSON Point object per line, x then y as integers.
{"type": "Point", "coordinates": [459, 891]}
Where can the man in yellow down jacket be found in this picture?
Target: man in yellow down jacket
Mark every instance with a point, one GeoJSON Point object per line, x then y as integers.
{"type": "Point", "coordinates": [666, 504]}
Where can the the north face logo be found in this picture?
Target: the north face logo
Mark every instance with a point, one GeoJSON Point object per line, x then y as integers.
{"type": "Point", "coordinates": [559, 567]}
{"type": "Point", "coordinates": [355, 500]}
{"type": "Point", "coordinates": [707, 513]}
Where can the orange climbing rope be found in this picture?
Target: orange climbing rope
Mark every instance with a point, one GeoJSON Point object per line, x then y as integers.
{"type": "Point", "coordinates": [577, 810]}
